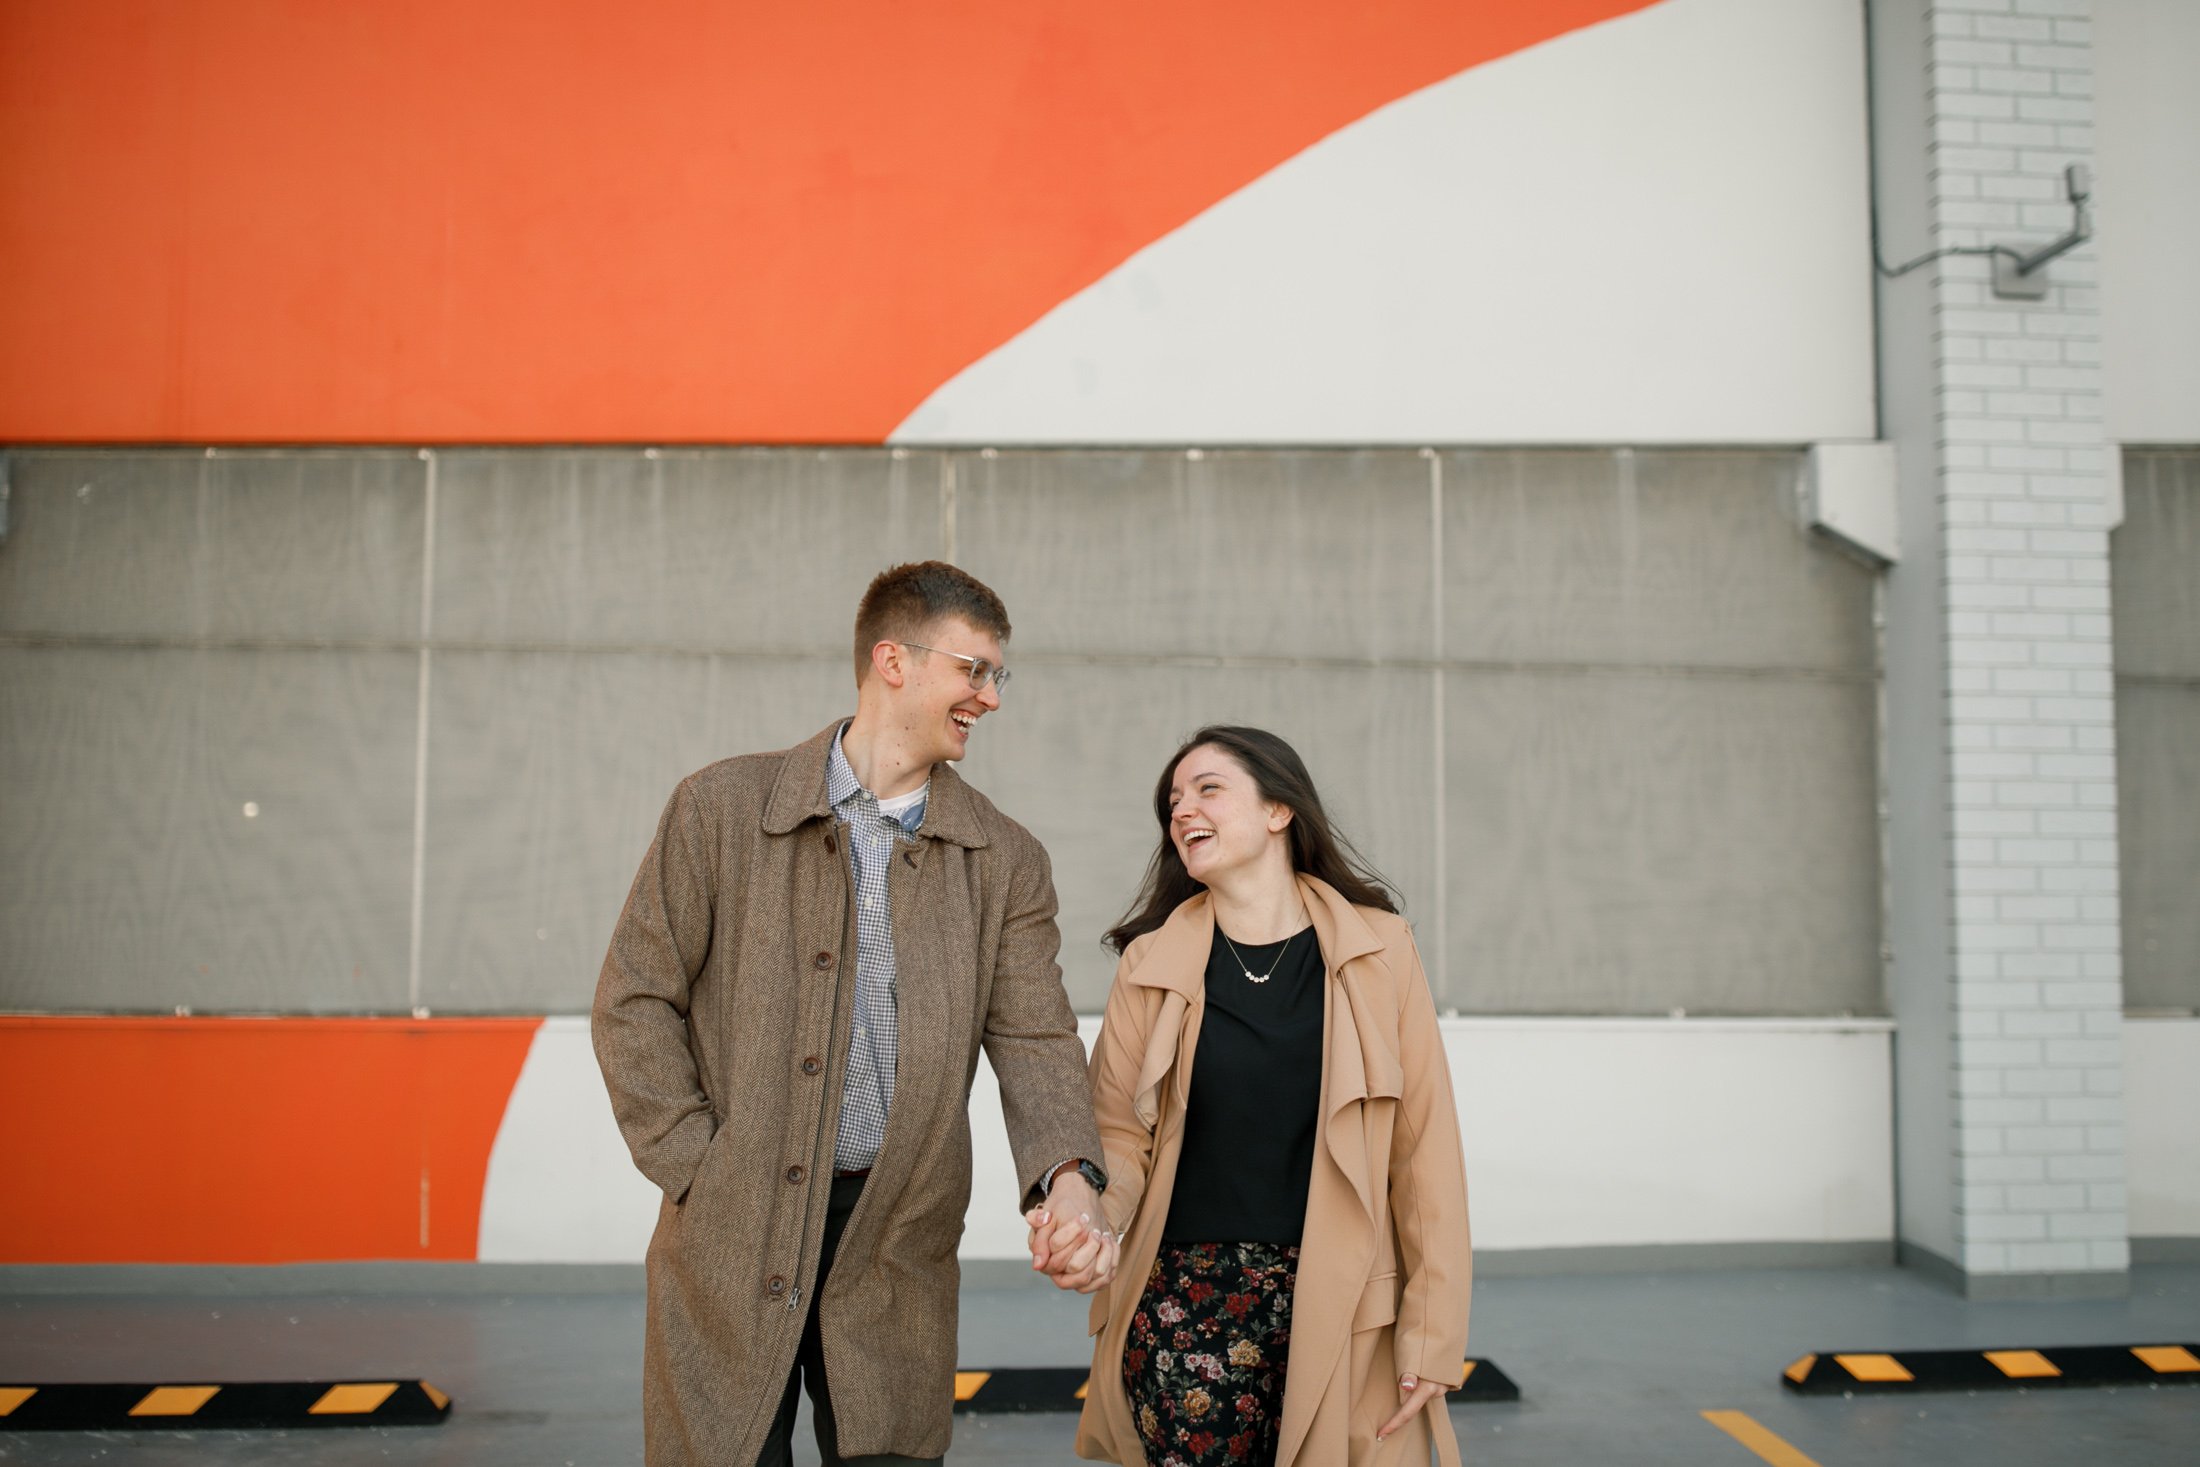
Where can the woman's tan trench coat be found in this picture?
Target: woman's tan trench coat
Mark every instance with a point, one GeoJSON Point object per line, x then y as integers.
{"type": "Point", "coordinates": [721, 1023]}
{"type": "Point", "coordinates": [1384, 1267]}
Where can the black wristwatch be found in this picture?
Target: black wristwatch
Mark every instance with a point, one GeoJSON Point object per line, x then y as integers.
{"type": "Point", "coordinates": [1085, 1169]}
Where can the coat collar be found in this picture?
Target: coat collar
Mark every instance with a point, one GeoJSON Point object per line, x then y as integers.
{"type": "Point", "coordinates": [1177, 957]}
{"type": "Point", "coordinates": [801, 793]}
{"type": "Point", "coordinates": [1361, 1057]}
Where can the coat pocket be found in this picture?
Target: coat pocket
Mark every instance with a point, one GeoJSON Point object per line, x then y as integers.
{"type": "Point", "coordinates": [702, 1165]}
{"type": "Point", "coordinates": [1378, 1303]}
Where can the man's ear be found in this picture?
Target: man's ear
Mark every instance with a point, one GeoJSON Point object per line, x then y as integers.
{"type": "Point", "coordinates": [887, 664]}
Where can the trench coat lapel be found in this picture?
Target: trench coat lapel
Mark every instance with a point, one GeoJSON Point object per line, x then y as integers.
{"type": "Point", "coordinates": [1360, 1060]}
{"type": "Point", "coordinates": [1176, 964]}
{"type": "Point", "coordinates": [1359, 1063]}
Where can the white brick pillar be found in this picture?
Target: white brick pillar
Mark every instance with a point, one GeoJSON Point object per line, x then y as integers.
{"type": "Point", "coordinates": [1999, 776]}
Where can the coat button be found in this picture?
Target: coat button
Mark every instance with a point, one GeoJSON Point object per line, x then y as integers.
{"type": "Point", "coordinates": [909, 857]}
{"type": "Point", "coordinates": [776, 1284]}
{"type": "Point", "coordinates": [796, 1174]}
{"type": "Point", "coordinates": [811, 1066]}
{"type": "Point", "coordinates": [822, 961]}
{"type": "Point", "coordinates": [832, 844]}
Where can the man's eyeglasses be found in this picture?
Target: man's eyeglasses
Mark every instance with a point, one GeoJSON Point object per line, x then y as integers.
{"type": "Point", "coordinates": [981, 670]}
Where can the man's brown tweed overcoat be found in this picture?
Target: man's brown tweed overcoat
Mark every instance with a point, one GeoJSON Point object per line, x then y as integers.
{"type": "Point", "coordinates": [721, 1023]}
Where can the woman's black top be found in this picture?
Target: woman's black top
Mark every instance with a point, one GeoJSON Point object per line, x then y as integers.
{"type": "Point", "coordinates": [1256, 1088]}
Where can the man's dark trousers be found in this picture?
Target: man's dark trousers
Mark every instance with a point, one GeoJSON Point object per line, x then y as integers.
{"type": "Point", "coordinates": [809, 1361]}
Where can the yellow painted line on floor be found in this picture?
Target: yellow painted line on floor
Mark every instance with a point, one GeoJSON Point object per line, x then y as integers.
{"type": "Point", "coordinates": [968, 1381]}
{"type": "Point", "coordinates": [353, 1400]}
{"type": "Point", "coordinates": [14, 1396]}
{"type": "Point", "coordinates": [1083, 1390]}
{"type": "Point", "coordinates": [2167, 1359]}
{"type": "Point", "coordinates": [1800, 1370]}
{"type": "Point", "coordinates": [1874, 1367]}
{"type": "Point", "coordinates": [174, 1400]}
{"type": "Point", "coordinates": [1467, 1374]}
{"type": "Point", "coordinates": [2023, 1364]}
{"type": "Point", "coordinates": [1764, 1443]}
{"type": "Point", "coordinates": [435, 1395]}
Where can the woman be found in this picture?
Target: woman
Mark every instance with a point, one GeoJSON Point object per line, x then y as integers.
{"type": "Point", "coordinates": [1282, 1149]}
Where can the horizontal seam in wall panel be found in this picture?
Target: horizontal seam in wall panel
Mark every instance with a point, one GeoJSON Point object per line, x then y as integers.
{"type": "Point", "coordinates": [2158, 679]}
{"type": "Point", "coordinates": [77, 642]}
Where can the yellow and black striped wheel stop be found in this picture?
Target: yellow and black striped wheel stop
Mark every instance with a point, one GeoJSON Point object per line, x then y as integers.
{"type": "Point", "coordinates": [232, 1406]}
{"type": "Point", "coordinates": [1896, 1372]}
{"type": "Point", "coordinates": [1021, 1389]}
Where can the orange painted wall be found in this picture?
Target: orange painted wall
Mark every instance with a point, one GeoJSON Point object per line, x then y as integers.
{"type": "Point", "coordinates": [129, 1140]}
{"type": "Point", "coordinates": [659, 221]}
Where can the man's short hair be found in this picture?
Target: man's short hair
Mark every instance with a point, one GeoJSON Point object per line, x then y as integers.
{"type": "Point", "coordinates": [903, 602]}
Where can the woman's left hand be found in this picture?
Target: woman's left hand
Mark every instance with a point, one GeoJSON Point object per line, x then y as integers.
{"type": "Point", "coordinates": [1415, 1393]}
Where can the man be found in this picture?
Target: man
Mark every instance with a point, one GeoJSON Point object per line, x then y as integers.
{"type": "Point", "coordinates": [816, 946]}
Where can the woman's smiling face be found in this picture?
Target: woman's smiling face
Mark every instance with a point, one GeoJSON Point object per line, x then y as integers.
{"type": "Point", "coordinates": [1218, 821]}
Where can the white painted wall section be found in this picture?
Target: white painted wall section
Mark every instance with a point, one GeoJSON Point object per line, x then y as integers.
{"type": "Point", "coordinates": [562, 1187]}
{"type": "Point", "coordinates": [1595, 1133]}
{"type": "Point", "coordinates": [2162, 1109]}
{"type": "Point", "coordinates": [1579, 1133]}
{"type": "Point", "coordinates": [1653, 230]}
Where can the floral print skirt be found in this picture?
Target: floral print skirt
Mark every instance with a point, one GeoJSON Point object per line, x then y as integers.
{"type": "Point", "coordinates": [1205, 1358]}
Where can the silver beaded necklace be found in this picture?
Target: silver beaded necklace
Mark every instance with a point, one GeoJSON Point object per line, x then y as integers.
{"type": "Point", "coordinates": [1250, 975]}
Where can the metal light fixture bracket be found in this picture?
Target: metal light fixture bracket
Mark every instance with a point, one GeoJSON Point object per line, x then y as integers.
{"type": "Point", "coordinates": [2021, 275]}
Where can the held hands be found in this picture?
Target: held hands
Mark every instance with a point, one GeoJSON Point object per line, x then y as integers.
{"type": "Point", "coordinates": [1414, 1394]}
{"type": "Point", "coordinates": [1070, 1241]}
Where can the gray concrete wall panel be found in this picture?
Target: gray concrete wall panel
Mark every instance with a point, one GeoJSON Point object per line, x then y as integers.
{"type": "Point", "coordinates": [1262, 553]}
{"type": "Point", "coordinates": [284, 546]}
{"type": "Point", "coordinates": [1643, 558]}
{"type": "Point", "coordinates": [2154, 566]}
{"type": "Point", "coordinates": [1623, 843]}
{"type": "Point", "coordinates": [546, 775]}
{"type": "Point", "coordinates": [130, 876]}
{"type": "Point", "coordinates": [2155, 581]}
{"type": "Point", "coordinates": [756, 550]}
{"type": "Point", "coordinates": [1076, 749]}
{"type": "Point", "coordinates": [1657, 690]}
{"type": "Point", "coordinates": [2158, 769]}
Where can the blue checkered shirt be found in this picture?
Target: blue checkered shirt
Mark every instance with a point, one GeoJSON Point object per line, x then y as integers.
{"type": "Point", "coordinates": [874, 1040]}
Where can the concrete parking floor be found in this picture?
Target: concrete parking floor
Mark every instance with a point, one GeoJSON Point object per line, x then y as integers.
{"type": "Point", "coordinates": [1613, 1369]}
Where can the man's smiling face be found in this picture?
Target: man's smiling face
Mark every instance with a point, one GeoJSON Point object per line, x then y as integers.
{"type": "Point", "coordinates": [937, 705]}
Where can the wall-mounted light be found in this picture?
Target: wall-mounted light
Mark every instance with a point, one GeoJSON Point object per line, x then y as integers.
{"type": "Point", "coordinates": [2021, 276]}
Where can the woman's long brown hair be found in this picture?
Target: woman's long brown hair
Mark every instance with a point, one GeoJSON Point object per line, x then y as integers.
{"type": "Point", "coordinates": [1281, 778]}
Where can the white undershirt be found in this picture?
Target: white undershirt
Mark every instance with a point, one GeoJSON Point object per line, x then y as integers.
{"type": "Point", "coordinates": [900, 805]}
